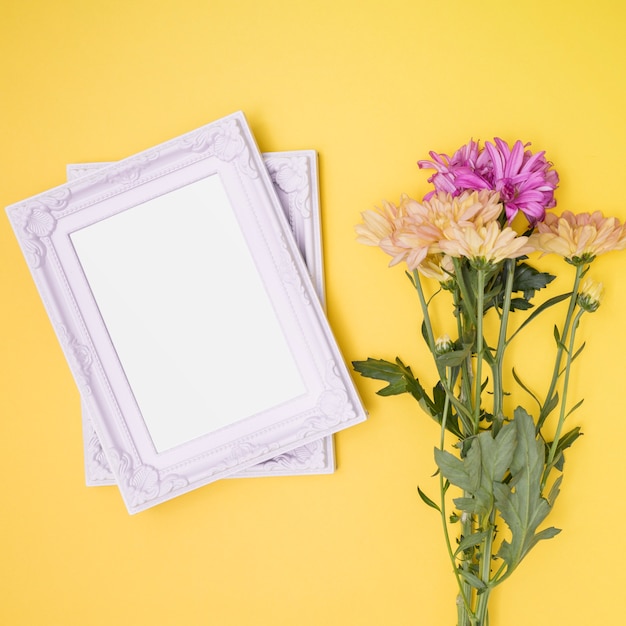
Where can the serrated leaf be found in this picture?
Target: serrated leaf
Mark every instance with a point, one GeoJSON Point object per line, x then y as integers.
{"type": "Point", "coordinates": [547, 533]}
{"type": "Point", "coordinates": [380, 369]}
{"type": "Point", "coordinates": [479, 504]}
{"type": "Point", "coordinates": [484, 463]}
{"type": "Point", "coordinates": [398, 375]}
{"type": "Point", "coordinates": [526, 279]}
{"type": "Point", "coordinates": [520, 304]}
{"type": "Point", "coordinates": [394, 388]}
{"type": "Point", "coordinates": [520, 502]}
{"type": "Point", "coordinates": [400, 380]}
{"type": "Point", "coordinates": [497, 453]}
{"type": "Point", "coordinates": [453, 469]}
{"type": "Point", "coordinates": [529, 280]}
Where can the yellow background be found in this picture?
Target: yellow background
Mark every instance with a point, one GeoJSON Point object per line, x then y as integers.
{"type": "Point", "coordinates": [372, 86]}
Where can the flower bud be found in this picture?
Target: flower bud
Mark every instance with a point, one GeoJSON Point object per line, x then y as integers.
{"type": "Point", "coordinates": [590, 296]}
{"type": "Point", "coordinates": [443, 345]}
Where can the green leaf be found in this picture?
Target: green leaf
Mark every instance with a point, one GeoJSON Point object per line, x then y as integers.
{"type": "Point", "coordinates": [518, 380]}
{"type": "Point", "coordinates": [568, 438]}
{"type": "Point", "coordinates": [546, 409]}
{"type": "Point", "coordinates": [454, 358]}
{"type": "Point", "coordinates": [529, 280]}
{"type": "Point", "coordinates": [576, 406]}
{"type": "Point", "coordinates": [555, 490]}
{"type": "Point", "coordinates": [579, 350]}
{"type": "Point", "coordinates": [520, 502]}
{"type": "Point", "coordinates": [398, 375]}
{"type": "Point", "coordinates": [427, 500]}
{"type": "Point", "coordinates": [472, 579]}
{"type": "Point", "coordinates": [564, 442]}
{"type": "Point", "coordinates": [379, 369]}
{"type": "Point", "coordinates": [400, 380]}
{"type": "Point", "coordinates": [439, 402]}
{"type": "Point", "coordinates": [526, 279]}
{"type": "Point", "coordinates": [497, 454]}
{"type": "Point", "coordinates": [479, 504]}
{"type": "Point", "coordinates": [540, 309]}
{"type": "Point", "coordinates": [454, 470]}
{"type": "Point", "coordinates": [547, 533]}
{"type": "Point", "coordinates": [471, 541]}
{"type": "Point", "coordinates": [485, 463]}
{"type": "Point", "coordinates": [520, 304]}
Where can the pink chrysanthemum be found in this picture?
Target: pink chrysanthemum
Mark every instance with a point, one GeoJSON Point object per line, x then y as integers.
{"type": "Point", "coordinates": [525, 181]}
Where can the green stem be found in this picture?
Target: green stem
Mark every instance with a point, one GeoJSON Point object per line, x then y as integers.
{"type": "Point", "coordinates": [466, 379]}
{"type": "Point", "coordinates": [562, 414]}
{"type": "Point", "coordinates": [459, 406]}
{"type": "Point", "coordinates": [498, 392]}
{"type": "Point", "coordinates": [464, 606]}
{"type": "Point", "coordinates": [580, 270]}
{"type": "Point", "coordinates": [465, 293]}
{"type": "Point", "coordinates": [480, 275]}
{"type": "Point", "coordinates": [445, 376]}
{"type": "Point", "coordinates": [485, 573]}
{"type": "Point", "coordinates": [420, 293]}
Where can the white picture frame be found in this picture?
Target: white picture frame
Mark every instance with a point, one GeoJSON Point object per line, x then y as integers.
{"type": "Point", "coordinates": [195, 225]}
{"type": "Point", "coordinates": [295, 178]}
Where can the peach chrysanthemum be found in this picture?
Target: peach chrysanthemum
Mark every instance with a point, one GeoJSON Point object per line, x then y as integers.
{"type": "Point", "coordinates": [412, 230]}
{"type": "Point", "coordinates": [442, 209]}
{"type": "Point", "coordinates": [485, 245]}
{"type": "Point", "coordinates": [579, 238]}
{"type": "Point", "coordinates": [380, 226]}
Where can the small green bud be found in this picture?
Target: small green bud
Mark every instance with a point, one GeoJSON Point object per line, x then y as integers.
{"type": "Point", "coordinates": [443, 345]}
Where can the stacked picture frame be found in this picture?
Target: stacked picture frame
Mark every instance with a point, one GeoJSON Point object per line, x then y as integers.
{"type": "Point", "coordinates": [177, 285]}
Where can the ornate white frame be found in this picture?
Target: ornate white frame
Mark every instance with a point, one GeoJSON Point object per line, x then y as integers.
{"type": "Point", "coordinates": [44, 226]}
{"type": "Point", "coordinates": [295, 179]}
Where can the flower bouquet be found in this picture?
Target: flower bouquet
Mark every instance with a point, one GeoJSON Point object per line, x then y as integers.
{"type": "Point", "coordinates": [499, 461]}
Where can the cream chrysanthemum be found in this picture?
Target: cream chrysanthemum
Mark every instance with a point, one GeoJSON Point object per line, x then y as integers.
{"type": "Point", "coordinates": [485, 245]}
{"type": "Point", "coordinates": [579, 238]}
{"type": "Point", "coordinates": [437, 266]}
